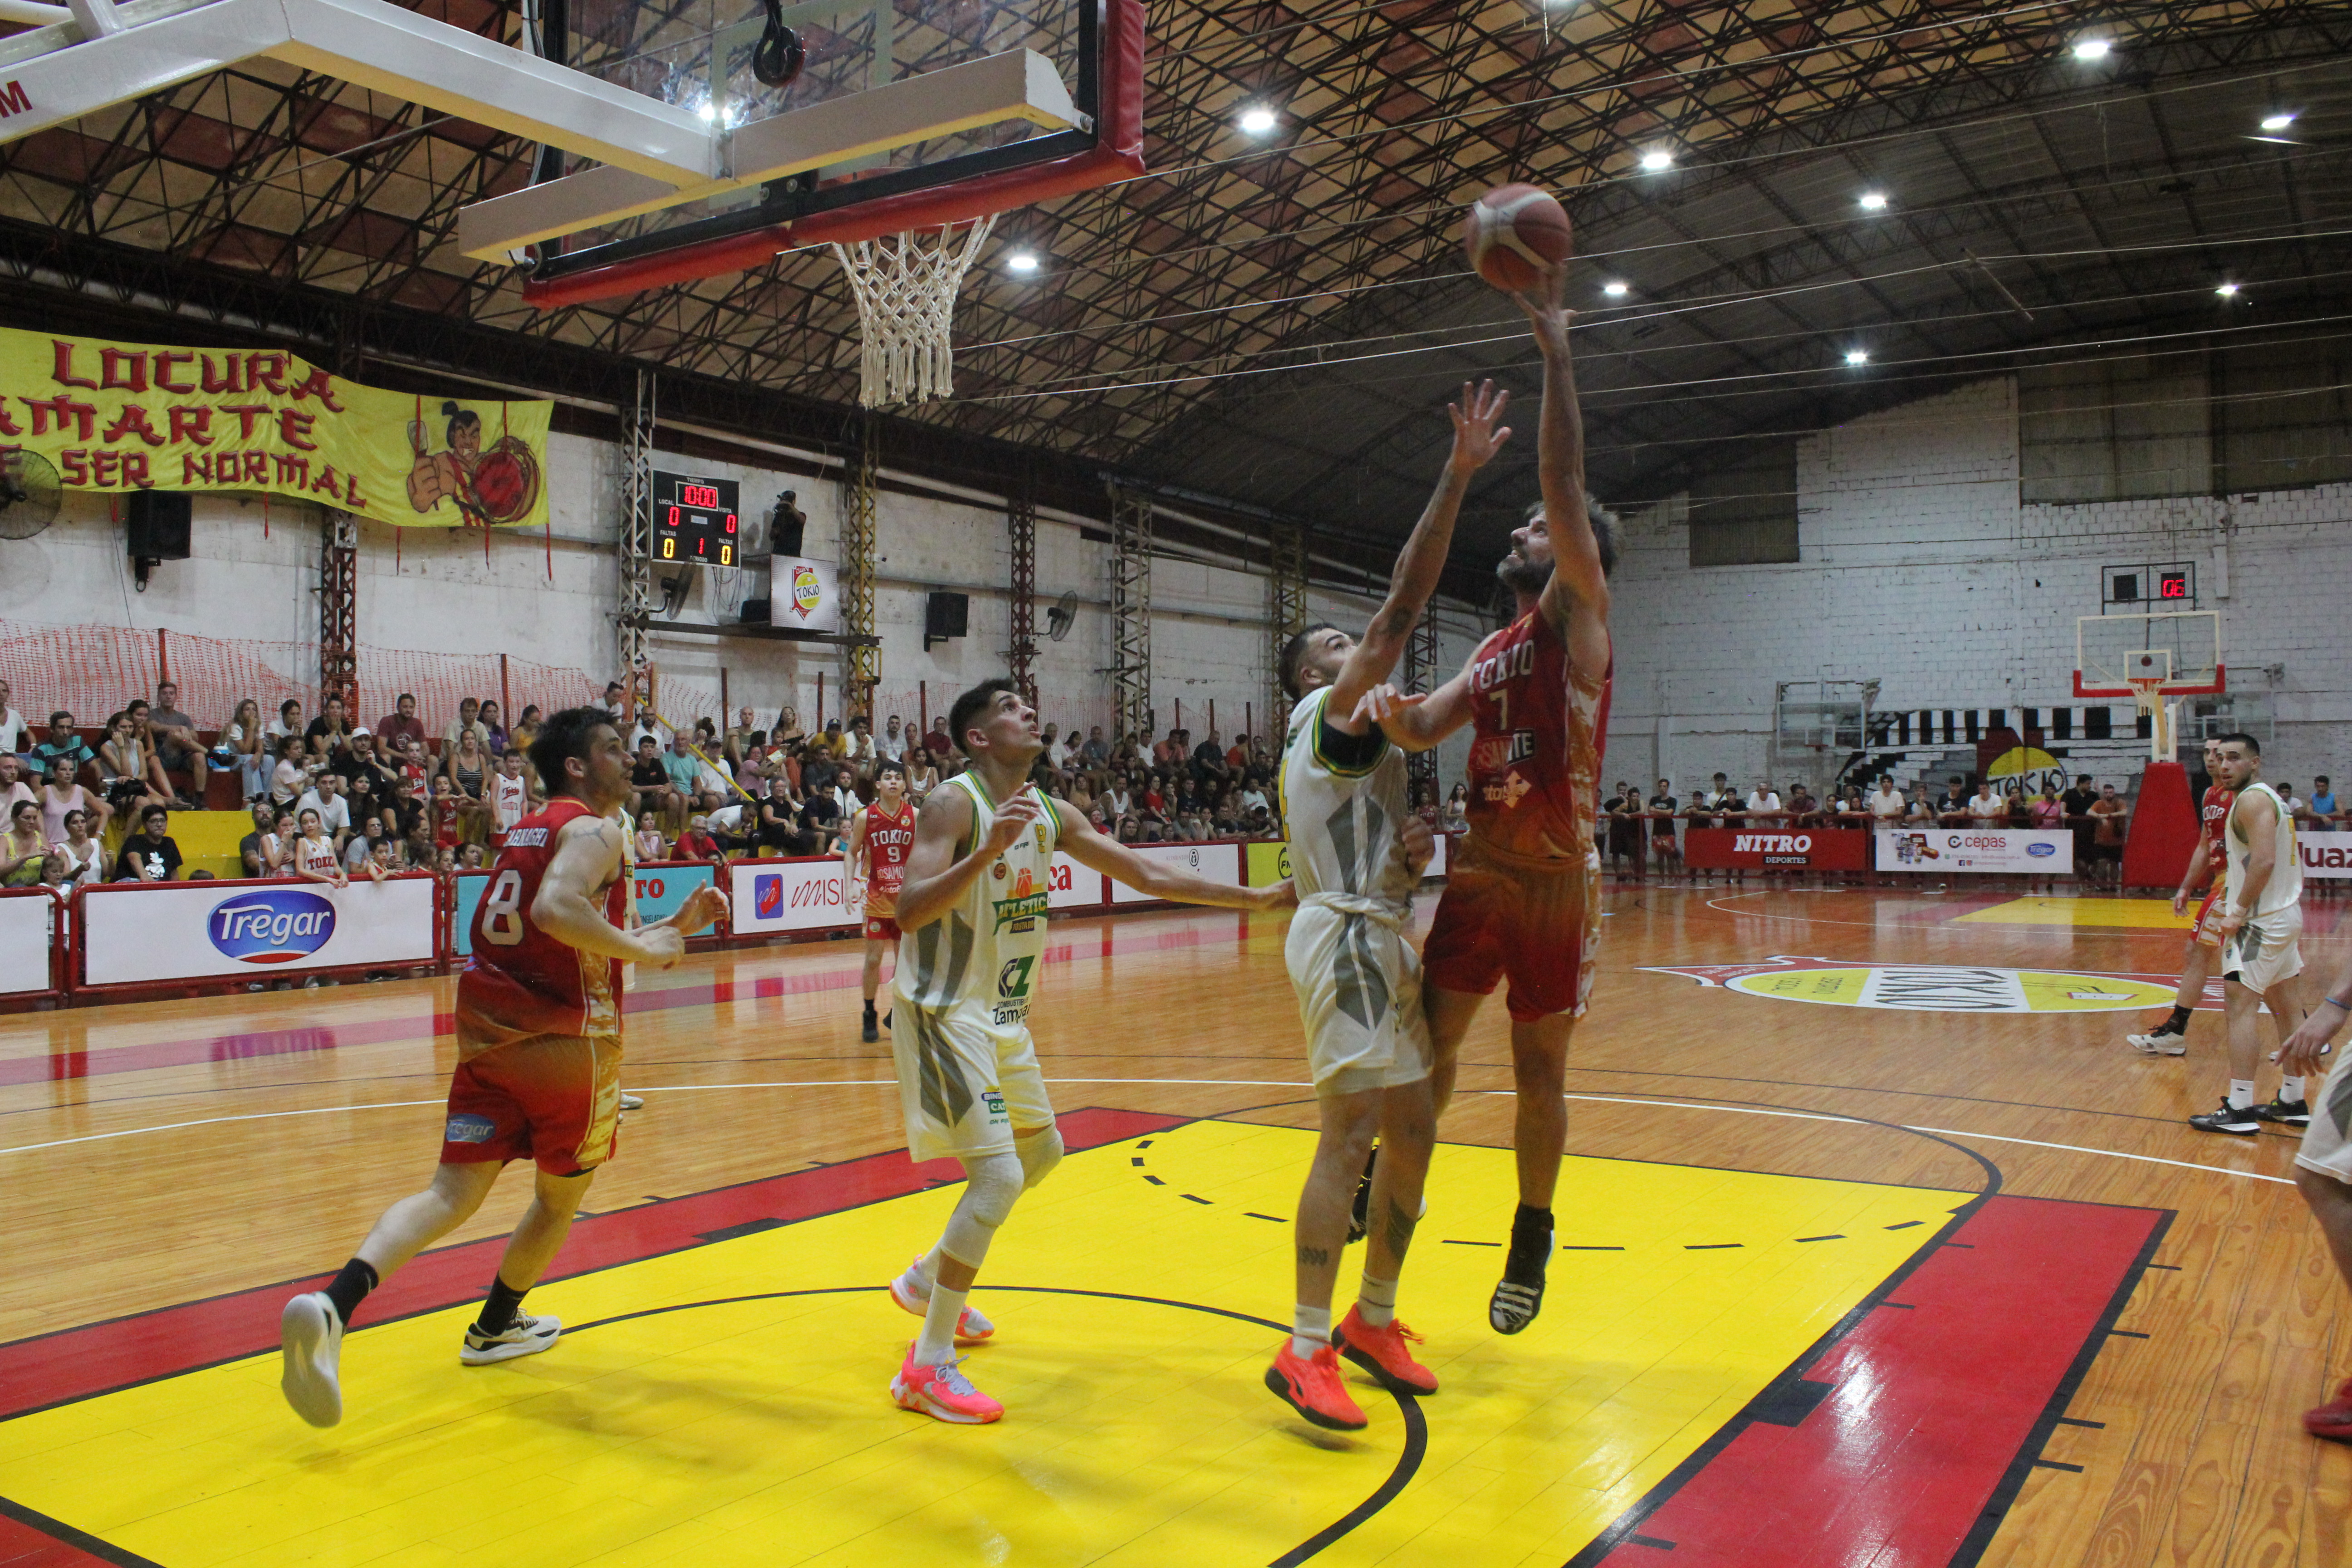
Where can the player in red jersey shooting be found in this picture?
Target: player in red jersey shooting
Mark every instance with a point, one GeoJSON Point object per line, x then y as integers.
{"type": "Point", "coordinates": [539, 1059]}
{"type": "Point", "coordinates": [1522, 902]}
{"type": "Point", "coordinates": [881, 836]}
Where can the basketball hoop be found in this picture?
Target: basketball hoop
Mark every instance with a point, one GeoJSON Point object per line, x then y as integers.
{"type": "Point", "coordinates": [905, 286]}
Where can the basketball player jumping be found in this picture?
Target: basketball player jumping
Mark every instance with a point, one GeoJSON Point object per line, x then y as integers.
{"type": "Point", "coordinates": [1522, 900]}
{"type": "Point", "coordinates": [1357, 852]}
{"type": "Point", "coordinates": [880, 836]}
{"type": "Point", "coordinates": [972, 912]}
{"type": "Point", "coordinates": [2171, 1039]}
{"type": "Point", "coordinates": [539, 1059]}
{"type": "Point", "coordinates": [2260, 923]}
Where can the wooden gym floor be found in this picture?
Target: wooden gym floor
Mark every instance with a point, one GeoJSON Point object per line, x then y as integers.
{"type": "Point", "coordinates": [1879, 1247]}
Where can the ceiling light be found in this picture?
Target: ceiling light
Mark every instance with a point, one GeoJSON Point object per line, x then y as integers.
{"type": "Point", "coordinates": [2277, 122]}
{"type": "Point", "coordinates": [1021, 261]}
{"type": "Point", "coordinates": [2092, 49]}
{"type": "Point", "coordinates": [1873, 200]}
{"type": "Point", "coordinates": [1616, 288]}
{"type": "Point", "coordinates": [1657, 160]}
{"type": "Point", "coordinates": [1257, 121]}
{"type": "Point", "coordinates": [2226, 290]}
{"type": "Point", "coordinates": [707, 110]}
{"type": "Point", "coordinates": [1858, 356]}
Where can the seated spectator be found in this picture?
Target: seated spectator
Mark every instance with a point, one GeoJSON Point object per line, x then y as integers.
{"type": "Point", "coordinates": [697, 843]}
{"type": "Point", "coordinates": [1095, 752]}
{"type": "Point", "coordinates": [377, 863]}
{"type": "Point", "coordinates": [13, 784]}
{"type": "Point", "coordinates": [408, 761]}
{"type": "Point", "coordinates": [861, 756]}
{"type": "Point", "coordinates": [63, 743]}
{"type": "Point", "coordinates": [649, 791]}
{"type": "Point", "coordinates": [245, 747]}
{"type": "Point", "coordinates": [16, 735]}
{"type": "Point", "coordinates": [472, 858]}
{"type": "Point", "coordinates": [325, 798]}
{"type": "Point", "coordinates": [779, 824]}
{"type": "Point", "coordinates": [361, 849]}
{"type": "Point", "coordinates": [466, 767]}
{"type": "Point", "coordinates": [23, 848]}
{"type": "Point", "coordinates": [615, 697]}
{"type": "Point", "coordinates": [128, 775]}
{"type": "Point", "coordinates": [647, 843]}
{"type": "Point", "coordinates": [258, 853]}
{"type": "Point", "coordinates": [84, 855]}
{"type": "Point", "coordinates": [445, 815]}
{"type": "Point", "coordinates": [401, 722]}
{"type": "Point", "coordinates": [735, 826]}
{"type": "Point", "coordinates": [513, 796]}
{"type": "Point", "coordinates": [494, 732]}
{"type": "Point", "coordinates": [287, 722]}
{"type": "Point", "coordinates": [404, 811]}
{"type": "Point", "coordinates": [149, 855]}
{"type": "Point", "coordinates": [328, 737]}
{"type": "Point", "coordinates": [174, 735]}
{"type": "Point", "coordinates": [821, 815]}
{"type": "Point", "coordinates": [469, 721]}
{"type": "Point", "coordinates": [938, 743]}
{"type": "Point", "coordinates": [526, 728]}
{"type": "Point", "coordinates": [1209, 759]}
{"type": "Point", "coordinates": [316, 859]}
{"type": "Point", "coordinates": [56, 871]}
{"type": "Point", "coordinates": [681, 768]}
{"type": "Point", "coordinates": [712, 785]}
{"type": "Point", "coordinates": [416, 850]}
{"type": "Point", "coordinates": [1262, 825]}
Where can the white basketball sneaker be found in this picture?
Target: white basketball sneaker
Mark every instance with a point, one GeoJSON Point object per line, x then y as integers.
{"type": "Point", "coordinates": [311, 1340]}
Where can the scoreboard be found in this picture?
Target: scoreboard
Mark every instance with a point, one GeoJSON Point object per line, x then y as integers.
{"type": "Point", "coordinates": [694, 520]}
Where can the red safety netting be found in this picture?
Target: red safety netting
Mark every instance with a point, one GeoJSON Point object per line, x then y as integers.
{"type": "Point", "coordinates": [92, 671]}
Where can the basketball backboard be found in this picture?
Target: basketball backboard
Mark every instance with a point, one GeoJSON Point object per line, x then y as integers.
{"type": "Point", "coordinates": [2169, 653]}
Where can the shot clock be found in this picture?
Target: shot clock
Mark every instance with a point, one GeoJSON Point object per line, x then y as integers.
{"type": "Point", "coordinates": [696, 521]}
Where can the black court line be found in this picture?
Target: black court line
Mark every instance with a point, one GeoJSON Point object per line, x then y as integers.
{"type": "Point", "coordinates": [1902, 1306]}
{"type": "Point", "coordinates": [1571, 1247]}
{"type": "Point", "coordinates": [2077, 1421]}
{"type": "Point", "coordinates": [1906, 1225]}
{"type": "Point", "coordinates": [1400, 1476]}
{"type": "Point", "coordinates": [1449, 1241]}
{"type": "Point", "coordinates": [1253, 1214]}
{"type": "Point", "coordinates": [1652, 1541]}
{"type": "Point", "coordinates": [1710, 1245]}
{"type": "Point", "coordinates": [1196, 1197]}
{"type": "Point", "coordinates": [2124, 1333]}
{"type": "Point", "coordinates": [79, 1540]}
{"type": "Point", "coordinates": [2056, 1465]}
{"type": "Point", "coordinates": [1837, 1236]}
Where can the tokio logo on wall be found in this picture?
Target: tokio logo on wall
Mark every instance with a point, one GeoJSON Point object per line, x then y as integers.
{"type": "Point", "coordinates": [1932, 987]}
{"type": "Point", "coordinates": [271, 925]}
{"type": "Point", "coordinates": [808, 593]}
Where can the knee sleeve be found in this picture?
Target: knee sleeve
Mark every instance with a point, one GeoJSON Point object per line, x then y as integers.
{"type": "Point", "coordinates": [1039, 1153]}
{"type": "Point", "coordinates": [993, 1181]}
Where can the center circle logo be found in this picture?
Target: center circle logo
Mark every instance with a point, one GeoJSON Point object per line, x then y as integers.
{"type": "Point", "coordinates": [273, 925]}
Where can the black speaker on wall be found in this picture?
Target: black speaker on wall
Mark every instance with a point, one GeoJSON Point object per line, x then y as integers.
{"type": "Point", "coordinates": [156, 529]}
{"type": "Point", "coordinates": [945, 615]}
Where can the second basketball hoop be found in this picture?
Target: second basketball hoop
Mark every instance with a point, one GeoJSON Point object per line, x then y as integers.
{"type": "Point", "coordinates": [905, 286]}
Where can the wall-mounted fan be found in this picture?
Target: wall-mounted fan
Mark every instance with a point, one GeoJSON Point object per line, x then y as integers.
{"type": "Point", "coordinates": [29, 494]}
{"type": "Point", "coordinates": [1061, 615]}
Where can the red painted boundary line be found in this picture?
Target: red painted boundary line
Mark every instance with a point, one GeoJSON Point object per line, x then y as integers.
{"type": "Point", "coordinates": [1904, 1436]}
{"type": "Point", "coordinates": [98, 1358]}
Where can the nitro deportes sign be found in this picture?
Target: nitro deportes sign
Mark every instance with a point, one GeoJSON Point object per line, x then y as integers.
{"type": "Point", "coordinates": [1735, 849]}
{"type": "Point", "coordinates": [271, 926]}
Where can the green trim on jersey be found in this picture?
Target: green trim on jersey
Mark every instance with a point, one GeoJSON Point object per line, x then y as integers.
{"type": "Point", "coordinates": [1322, 716]}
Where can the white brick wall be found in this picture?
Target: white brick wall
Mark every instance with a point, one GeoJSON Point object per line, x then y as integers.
{"type": "Point", "coordinates": [1920, 569]}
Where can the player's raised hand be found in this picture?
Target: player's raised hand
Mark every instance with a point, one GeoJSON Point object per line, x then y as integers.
{"type": "Point", "coordinates": [1020, 813]}
{"type": "Point", "coordinates": [1476, 438]}
{"type": "Point", "coordinates": [665, 945]}
{"type": "Point", "coordinates": [1545, 309]}
{"type": "Point", "coordinates": [1384, 702]}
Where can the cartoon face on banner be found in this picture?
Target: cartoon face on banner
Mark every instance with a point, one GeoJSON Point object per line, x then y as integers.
{"type": "Point", "coordinates": [490, 486]}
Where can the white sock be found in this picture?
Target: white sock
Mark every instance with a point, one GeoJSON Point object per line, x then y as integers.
{"type": "Point", "coordinates": [936, 1343]}
{"type": "Point", "coordinates": [2291, 1089]}
{"type": "Point", "coordinates": [2241, 1093]}
{"type": "Point", "coordinates": [1310, 1329]}
{"type": "Point", "coordinates": [1376, 1301]}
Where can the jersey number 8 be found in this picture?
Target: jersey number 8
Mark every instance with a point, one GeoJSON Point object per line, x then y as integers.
{"type": "Point", "coordinates": [502, 909]}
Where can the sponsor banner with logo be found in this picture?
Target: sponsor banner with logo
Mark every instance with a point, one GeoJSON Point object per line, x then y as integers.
{"type": "Point", "coordinates": [661, 890]}
{"type": "Point", "coordinates": [2017, 851]}
{"type": "Point", "coordinates": [1937, 987]}
{"type": "Point", "coordinates": [789, 895]}
{"type": "Point", "coordinates": [1074, 887]}
{"type": "Point", "coordinates": [138, 417]}
{"type": "Point", "coordinates": [1770, 849]}
{"type": "Point", "coordinates": [134, 933]}
{"type": "Point", "coordinates": [1217, 862]}
{"type": "Point", "coordinates": [2325, 854]}
{"type": "Point", "coordinates": [1266, 863]}
{"type": "Point", "coordinates": [802, 595]}
{"type": "Point", "coordinates": [24, 941]}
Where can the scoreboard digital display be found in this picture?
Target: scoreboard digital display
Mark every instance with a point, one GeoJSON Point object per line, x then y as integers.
{"type": "Point", "coordinates": [696, 520]}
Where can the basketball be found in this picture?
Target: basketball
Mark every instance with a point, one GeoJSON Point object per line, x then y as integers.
{"type": "Point", "coordinates": [1512, 233]}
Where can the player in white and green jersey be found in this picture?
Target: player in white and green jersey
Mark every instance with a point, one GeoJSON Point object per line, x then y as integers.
{"type": "Point", "coordinates": [1357, 852]}
{"type": "Point", "coordinates": [971, 918]}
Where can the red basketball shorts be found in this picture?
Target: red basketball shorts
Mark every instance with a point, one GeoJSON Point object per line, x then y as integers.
{"type": "Point", "coordinates": [1538, 931]}
{"type": "Point", "coordinates": [881, 928]}
{"type": "Point", "coordinates": [2205, 928]}
{"type": "Point", "coordinates": [551, 1099]}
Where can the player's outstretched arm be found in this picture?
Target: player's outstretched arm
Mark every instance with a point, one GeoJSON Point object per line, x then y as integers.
{"type": "Point", "coordinates": [1416, 721]}
{"type": "Point", "coordinates": [568, 907]}
{"type": "Point", "coordinates": [936, 875]}
{"type": "Point", "coordinates": [1115, 860]}
{"type": "Point", "coordinates": [1419, 565]}
{"type": "Point", "coordinates": [849, 847]}
{"type": "Point", "coordinates": [1578, 582]}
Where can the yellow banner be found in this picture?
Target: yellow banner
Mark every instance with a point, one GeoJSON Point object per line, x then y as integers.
{"type": "Point", "coordinates": [132, 417]}
{"type": "Point", "coordinates": [1269, 863]}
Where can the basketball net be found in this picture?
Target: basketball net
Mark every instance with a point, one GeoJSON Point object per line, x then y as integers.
{"type": "Point", "coordinates": [905, 286]}
{"type": "Point", "coordinates": [2147, 697]}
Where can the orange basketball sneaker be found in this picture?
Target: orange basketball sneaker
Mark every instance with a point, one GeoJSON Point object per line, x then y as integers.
{"type": "Point", "coordinates": [2332, 1420]}
{"type": "Point", "coordinates": [942, 1393]}
{"type": "Point", "coordinates": [971, 1328]}
{"type": "Point", "coordinates": [1311, 1386]}
{"type": "Point", "coordinates": [1383, 1353]}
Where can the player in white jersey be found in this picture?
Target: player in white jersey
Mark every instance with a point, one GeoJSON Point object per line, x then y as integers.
{"type": "Point", "coordinates": [971, 915]}
{"type": "Point", "coordinates": [2261, 918]}
{"type": "Point", "coordinates": [511, 798]}
{"type": "Point", "coordinates": [1357, 851]}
